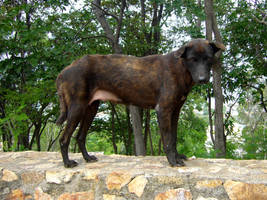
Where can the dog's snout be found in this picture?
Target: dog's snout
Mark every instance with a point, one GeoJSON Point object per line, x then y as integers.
{"type": "Point", "coordinates": [203, 79]}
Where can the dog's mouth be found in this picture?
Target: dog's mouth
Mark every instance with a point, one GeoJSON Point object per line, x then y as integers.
{"type": "Point", "coordinates": [202, 80]}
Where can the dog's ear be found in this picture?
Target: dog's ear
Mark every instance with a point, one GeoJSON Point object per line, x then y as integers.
{"type": "Point", "coordinates": [216, 46]}
{"type": "Point", "coordinates": [181, 53]}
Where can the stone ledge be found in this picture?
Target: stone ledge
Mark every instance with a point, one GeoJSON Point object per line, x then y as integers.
{"type": "Point", "coordinates": [41, 175]}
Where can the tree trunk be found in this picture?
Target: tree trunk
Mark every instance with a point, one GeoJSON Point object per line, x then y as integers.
{"type": "Point", "coordinates": [151, 143]}
{"type": "Point", "coordinates": [53, 140]}
{"type": "Point", "coordinates": [210, 118]}
{"type": "Point", "coordinates": [130, 133]}
{"type": "Point", "coordinates": [211, 26]}
{"type": "Point", "coordinates": [147, 126]}
{"type": "Point", "coordinates": [220, 140]}
{"type": "Point", "coordinates": [159, 145]}
{"type": "Point", "coordinates": [116, 47]}
{"type": "Point", "coordinates": [37, 128]}
{"type": "Point", "coordinates": [148, 135]}
{"type": "Point", "coordinates": [113, 130]}
{"type": "Point", "coordinates": [137, 130]}
{"type": "Point", "coordinates": [38, 141]}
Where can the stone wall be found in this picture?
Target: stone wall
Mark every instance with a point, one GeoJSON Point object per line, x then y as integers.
{"type": "Point", "coordinates": [41, 175]}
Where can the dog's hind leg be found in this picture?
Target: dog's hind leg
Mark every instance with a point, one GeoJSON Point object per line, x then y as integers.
{"type": "Point", "coordinates": [74, 116]}
{"type": "Point", "coordinates": [86, 122]}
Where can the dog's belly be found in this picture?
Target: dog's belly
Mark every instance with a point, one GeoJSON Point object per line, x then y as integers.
{"type": "Point", "coordinates": [104, 95]}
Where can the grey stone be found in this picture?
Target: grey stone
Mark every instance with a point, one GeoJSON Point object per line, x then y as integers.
{"type": "Point", "coordinates": [29, 174]}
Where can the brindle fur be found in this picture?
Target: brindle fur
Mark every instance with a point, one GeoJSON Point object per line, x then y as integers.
{"type": "Point", "coordinates": [158, 81]}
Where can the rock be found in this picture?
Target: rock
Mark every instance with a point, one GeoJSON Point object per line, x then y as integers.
{"type": "Point", "coordinates": [112, 197]}
{"type": "Point", "coordinates": [42, 176]}
{"type": "Point", "coordinates": [175, 194]}
{"type": "Point", "coordinates": [208, 184]}
{"type": "Point", "coordinates": [78, 196]}
{"type": "Point", "coordinates": [18, 195]}
{"type": "Point", "coordinates": [238, 170]}
{"type": "Point", "coordinates": [32, 177]}
{"type": "Point", "coordinates": [6, 190]}
{"type": "Point", "coordinates": [137, 185]}
{"type": "Point", "coordinates": [109, 197]}
{"type": "Point", "coordinates": [40, 195]}
{"type": "Point", "coordinates": [116, 180]}
{"type": "Point", "coordinates": [91, 174]}
{"type": "Point", "coordinates": [9, 176]}
{"type": "Point", "coordinates": [59, 177]}
{"type": "Point", "coordinates": [215, 169]}
{"type": "Point", "coordinates": [164, 180]}
{"type": "Point", "coordinates": [188, 169]}
{"type": "Point", "coordinates": [203, 198]}
{"type": "Point", "coordinates": [244, 191]}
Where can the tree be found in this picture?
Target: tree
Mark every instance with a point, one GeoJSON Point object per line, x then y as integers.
{"type": "Point", "coordinates": [194, 15]}
{"type": "Point", "coordinates": [254, 133]}
{"type": "Point", "coordinates": [149, 36]}
{"type": "Point", "coordinates": [25, 89]}
{"type": "Point", "coordinates": [246, 58]}
{"type": "Point", "coordinates": [212, 27]}
{"type": "Point", "coordinates": [40, 38]}
{"type": "Point", "coordinates": [36, 46]}
{"type": "Point", "coordinates": [116, 47]}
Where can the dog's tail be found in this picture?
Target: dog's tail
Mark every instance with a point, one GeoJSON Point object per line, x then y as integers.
{"type": "Point", "coordinates": [63, 105]}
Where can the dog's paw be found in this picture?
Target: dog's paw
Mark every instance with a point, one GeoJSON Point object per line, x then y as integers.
{"type": "Point", "coordinates": [91, 159]}
{"type": "Point", "coordinates": [70, 164]}
{"type": "Point", "coordinates": [181, 156]}
{"type": "Point", "coordinates": [174, 161]}
{"type": "Point", "coordinates": [178, 163]}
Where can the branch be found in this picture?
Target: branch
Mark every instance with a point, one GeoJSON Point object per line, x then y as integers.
{"type": "Point", "coordinates": [105, 25]}
{"type": "Point", "coordinates": [227, 116]}
{"type": "Point", "coordinates": [260, 21]}
{"type": "Point", "coordinates": [143, 12]}
{"type": "Point", "coordinates": [123, 5]}
{"type": "Point", "coordinates": [210, 117]}
{"type": "Point", "coordinates": [263, 21]}
{"type": "Point", "coordinates": [83, 26]}
{"type": "Point", "coordinates": [116, 114]}
{"type": "Point", "coordinates": [52, 141]}
{"type": "Point", "coordinates": [91, 37]}
{"type": "Point", "coordinates": [96, 4]}
{"type": "Point", "coordinates": [262, 96]}
{"type": "Point", "coordinates": [160, 13]}
{"type": "Point", "coordinates": [100, 17]}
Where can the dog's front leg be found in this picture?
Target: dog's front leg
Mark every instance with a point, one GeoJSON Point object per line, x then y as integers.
{"type": "Point", "coordinates": [175, 117]}
{"type": "Point", "coordinates": [167, 134]}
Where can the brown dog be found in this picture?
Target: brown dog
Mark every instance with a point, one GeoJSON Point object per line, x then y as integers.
{"type": "Point", "coordinates": [158, 81]}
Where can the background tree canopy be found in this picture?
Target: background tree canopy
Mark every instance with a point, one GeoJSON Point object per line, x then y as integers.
{"type": "Point", "coordinates": [39, 38]}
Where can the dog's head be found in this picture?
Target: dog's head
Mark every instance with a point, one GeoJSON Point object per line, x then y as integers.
{"type": "Point", "coordinates": [198, 57]}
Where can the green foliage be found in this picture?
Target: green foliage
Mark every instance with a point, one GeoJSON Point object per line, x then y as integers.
{"type": "Point", "coordinates": [254, 133]}
{"type": "Point", "coordinates": [39, 38]}
{"type": "Point", "coordinates": [192, 128]}
{"type": "Point", "coordinates": [255, 142]}
{"type": "Point", "coordinates": [246, 64]}
{"type": "Point", "coordinates": [100, 142]}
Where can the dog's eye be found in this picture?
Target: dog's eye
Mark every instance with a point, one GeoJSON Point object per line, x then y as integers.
{"type": "Point", "coordinates": [209, 59]}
